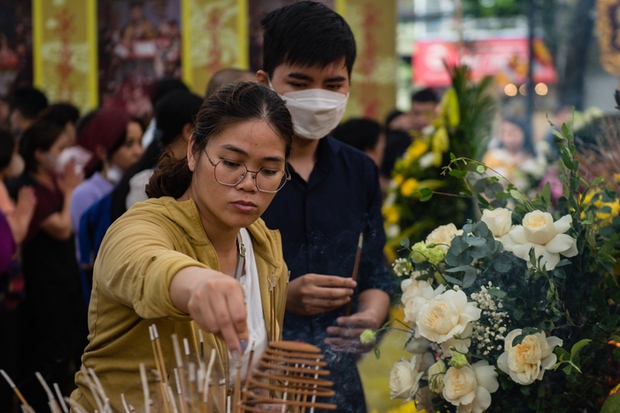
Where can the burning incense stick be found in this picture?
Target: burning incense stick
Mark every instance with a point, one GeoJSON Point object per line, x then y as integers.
{"type": "Point", "coordinates": [356, 266]}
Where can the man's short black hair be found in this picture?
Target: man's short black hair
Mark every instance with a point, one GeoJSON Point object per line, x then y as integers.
{"type": "Point", "coordinates": [360, 133]}
{"type": "Point", "coordinates": [60, 114]}
{"type": "Point", "coordinates": [29, 101]}
{"type": "Point", "coordinates": [425, 95]}
{"type": "Point", "coordinates": [308, 34]}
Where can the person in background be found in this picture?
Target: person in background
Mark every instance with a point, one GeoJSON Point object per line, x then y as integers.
{"type": "Point", "coordinates": [115, 141]}
{"type": "Point", "coordinates": [49, 319]}
{"type": "Point", "coordinates": [14, 221]}
{"type": "Point", "coordinates": [202, 207]}
{"type": "Point", "coordinates": [516, 158]}
{"type": "Point", "coordinates": [334, 195]}
{"type": "Point", "coordinates": [401, 128]}
{"type": "Point", "coordinates": [64, 115]}
{"type": "Point", "coordinates": [158, 90]}
{"type": "Point", "coordinates": [25, 105]}
{"type": "Point", "coordinates": [175, 115]}
{"type": "Point", "coordinates": [226, 76]}
{"type": "Point", "coordinates": [364, 134]}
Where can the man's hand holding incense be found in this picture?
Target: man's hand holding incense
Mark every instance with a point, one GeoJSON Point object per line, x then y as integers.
{"type": "Point", "coordinates": [313, 294]}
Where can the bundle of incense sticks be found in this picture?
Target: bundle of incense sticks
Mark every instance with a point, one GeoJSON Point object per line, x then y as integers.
{"type": "Point", "coordinates": [288, 376]}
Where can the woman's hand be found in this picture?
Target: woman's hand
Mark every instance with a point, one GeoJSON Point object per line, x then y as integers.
{"type": "Point", "coordinates": [70, 178]}
{"type": "Point", "coordinates": [215, 301]}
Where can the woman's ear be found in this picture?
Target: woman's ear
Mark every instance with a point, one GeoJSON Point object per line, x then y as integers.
{"type": "Point", "coordinates": [187, 132]}
{"type": "Point", "coordinates": [191, 157]}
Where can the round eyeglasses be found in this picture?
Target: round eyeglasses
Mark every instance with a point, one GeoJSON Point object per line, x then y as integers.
{"type": "Point", "coordinates": [230, 173]}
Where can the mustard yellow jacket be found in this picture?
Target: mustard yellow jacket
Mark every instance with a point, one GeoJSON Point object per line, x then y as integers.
{"type": "Point", "coordinates": [139, 255]}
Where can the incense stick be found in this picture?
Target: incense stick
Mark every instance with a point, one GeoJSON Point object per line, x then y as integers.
{"type": "Point", "coordinates": [208, 376]}
{"type": "Point", "coordinates": [124, 403]}
{"type": "Point", "coordinates": [19, 394]}
{"type": "Point", "coordinates": [51, 400]}
{"type": "Point", "coordinates": [356, 264]}
{"type": "Point", "coordinates": [145, 389]}
{"type": "Point", "coordinates": [65, 409]}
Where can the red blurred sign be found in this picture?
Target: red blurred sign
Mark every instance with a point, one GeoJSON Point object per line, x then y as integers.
{"type": "Point", "coordinates": [505, 59]}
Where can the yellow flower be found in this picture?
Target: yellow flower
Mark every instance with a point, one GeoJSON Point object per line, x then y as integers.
{"type": "Point", "coordinates": [440, 144]}
{"type": "Point", "coordinates": [398, 179]}
{"type": "Point", "coordinates": [617, 177]}
{"type": "Point", "coordinates": [417, 149]}
{"type": "Point", "coordinates": [450, 107]}
{"type": "Point", "coordinates": [407, 188]}
{"type": "Point", "coordinates": [391, 213]}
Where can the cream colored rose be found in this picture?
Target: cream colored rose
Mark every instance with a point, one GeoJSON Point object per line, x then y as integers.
{"type": "Point", "coordinates": [445, 315]}
{"type": "Point", "coordinates": [405, 378]}
{"type": "Point", "coordinates": [435, 376]}
{"type": "Point", "coordinates": [442, 236]}
{"type": "Point", "coordinates": [498, 220]}
{"type": "Point", "coordinates": [415, 294]}
{"type": "Point", "coordinates": [470, 387]}
{"type": "Point", "coordinates": [548, 239]}
{"type": "Point", "coordinates": [461, 344]}
{"type": "Point", "coordinates": [527, 362]}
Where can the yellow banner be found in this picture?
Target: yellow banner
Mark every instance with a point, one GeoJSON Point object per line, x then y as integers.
{"type": "Point", "coordinates": [608, 27]}
{"type": "Point", "coordinates": [373, 82]}
{"type": "Point", "coordinates": [65, 51]}
{"type": "Point", "coordinates": [215, 37]}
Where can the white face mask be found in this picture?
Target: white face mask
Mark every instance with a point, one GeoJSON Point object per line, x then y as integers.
{"type": "Point", "coordinates": [315, 112]}
{"type": "Point", "coordinates": [113, 173]}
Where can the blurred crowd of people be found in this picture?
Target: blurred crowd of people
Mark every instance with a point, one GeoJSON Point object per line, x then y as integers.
{"type": "Point", "coordinates": [64, 178]}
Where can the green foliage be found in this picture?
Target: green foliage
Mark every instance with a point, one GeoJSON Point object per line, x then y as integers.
{"type": "Point", "coordinates": [575, 300]}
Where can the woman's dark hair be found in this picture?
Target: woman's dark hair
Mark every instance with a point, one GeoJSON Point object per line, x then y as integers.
{"type": "Point", "coordinates": [7, 146]}
{"type": "Point", "coordinates": [41, 135]}
{"type": "Point", "coordinates": [232, 104]}
{"type": "Point", "coordinates": [175, 110]}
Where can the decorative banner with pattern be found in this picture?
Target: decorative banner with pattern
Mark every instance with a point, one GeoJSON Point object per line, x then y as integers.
{"type": "Point", "coordinates": [65, 51]}
{"type": "Point", "coordinates": [215, 36]}
{"type": "Point", "coordinates": [373, 82]}
{"type": "Point", "coordinates": [608, 27]}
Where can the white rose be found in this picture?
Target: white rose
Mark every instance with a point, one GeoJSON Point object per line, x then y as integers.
{"type": "Point", "coordinates": [405, 378]}
{"type": "Point", "coordinates": [442, 236]}
{"type": "Point", "coordinates": [435, 376]}
{"type": "Point", "coordinates": [499, 221]}
{"type": "Point", "coordinates": [445, 315]}
{"type": "Point", "coordinates": [470, 387]}
{"type": "Point", "coordinates": [527, 362]}
{"type": "Point", "coordinates": [417, 293]}
{"type": "Point", "coordinates": [548, 239]}
{"type": "Point", "coordinates": [460, 344]}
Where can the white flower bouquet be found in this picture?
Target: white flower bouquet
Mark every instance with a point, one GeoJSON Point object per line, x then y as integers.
{"type": "Point", "coordinates": [514, 312]}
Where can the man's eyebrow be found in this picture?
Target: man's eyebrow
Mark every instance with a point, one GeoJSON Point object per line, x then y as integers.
{"type": "Point", "coordinates": [299, 76]}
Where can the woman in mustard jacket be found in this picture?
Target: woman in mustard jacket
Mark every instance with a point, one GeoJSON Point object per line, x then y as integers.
{"type": "Point", "coordinates": [196, 255]}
